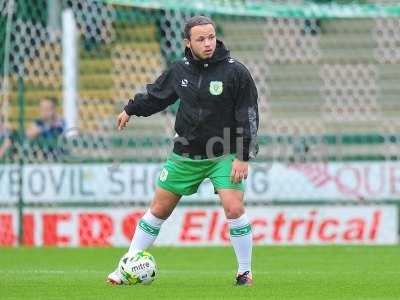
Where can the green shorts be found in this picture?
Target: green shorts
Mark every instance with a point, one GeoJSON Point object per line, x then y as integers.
{"type": "Point", "coordinates": [183, 176]}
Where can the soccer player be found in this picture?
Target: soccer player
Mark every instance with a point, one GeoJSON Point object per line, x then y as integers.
{"type": "Point", "coordinates": [216, 130]}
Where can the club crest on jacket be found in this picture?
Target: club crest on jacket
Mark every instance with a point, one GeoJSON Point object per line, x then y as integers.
{"type": "Point", "coordinates": [216, 88]}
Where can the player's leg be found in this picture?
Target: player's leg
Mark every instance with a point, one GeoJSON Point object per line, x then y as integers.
{"type": "Point", "coordinates": [231, 195]}
{"type": "Point", "coordinates": [240, 232]}
{"type": "Point", "coordinates": [178, 177]}
{"type": "Point", "coordinates": [149, 225]}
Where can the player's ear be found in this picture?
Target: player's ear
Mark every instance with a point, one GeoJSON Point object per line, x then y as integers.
{"type": "Point", "coordinates": [187, 42]}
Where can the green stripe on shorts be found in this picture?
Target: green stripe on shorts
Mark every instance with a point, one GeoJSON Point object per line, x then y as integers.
{"type": "Point", "coordinates": [240, 230]}
{"type": "Point", "coordinates": [148, 228]}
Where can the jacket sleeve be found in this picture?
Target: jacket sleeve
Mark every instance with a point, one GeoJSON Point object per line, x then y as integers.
{"type": "Point", "coordinates": [246, 116]}
{"type": "Point", "coordinates": [158, 96]}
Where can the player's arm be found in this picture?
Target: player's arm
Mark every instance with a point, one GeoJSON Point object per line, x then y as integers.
{"type": "Point", "coordinates": [158, 96]}
{"type": "Point", "coordinates": [246, 115]}
{"type": "Point", "coordinates": [247, 119]}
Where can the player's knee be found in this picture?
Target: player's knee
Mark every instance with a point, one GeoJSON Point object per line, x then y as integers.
{"type": "Point", "coordinates": [234, 211]}
{"type": "Point", "coordinates": [160, 211]}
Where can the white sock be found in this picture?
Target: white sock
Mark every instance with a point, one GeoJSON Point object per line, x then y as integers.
{"type": "Point", "coordinates": [146, 232]}
{"type": "Point", "coordinates": [241, 239]}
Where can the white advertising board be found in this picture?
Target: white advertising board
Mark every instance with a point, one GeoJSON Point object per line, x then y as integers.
{"type": "Point", "coordinates": [359, 182]}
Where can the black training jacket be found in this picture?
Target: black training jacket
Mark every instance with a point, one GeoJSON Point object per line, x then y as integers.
{"type": "Point", "coordinates": [218, 105]}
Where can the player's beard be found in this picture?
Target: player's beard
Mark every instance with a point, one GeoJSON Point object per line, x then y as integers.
{"type": "Point", "coordinates": [199, 55]}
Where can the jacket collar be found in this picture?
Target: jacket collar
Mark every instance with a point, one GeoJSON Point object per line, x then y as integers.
{"type": "Point", "coordinates": [220, 53]}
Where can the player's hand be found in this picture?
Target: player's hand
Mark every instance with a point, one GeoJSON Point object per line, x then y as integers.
{"type": "Point", "coordinates": [122, 120]}
{"type": "Point", "coordinates": [239, 171]}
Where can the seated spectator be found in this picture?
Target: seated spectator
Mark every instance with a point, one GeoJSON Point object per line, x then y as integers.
{"type": "Point", "coordinates": [45, 131]}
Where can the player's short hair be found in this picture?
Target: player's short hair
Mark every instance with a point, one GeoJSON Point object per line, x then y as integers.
{"type": "Point", "coordinates": [196, 21]}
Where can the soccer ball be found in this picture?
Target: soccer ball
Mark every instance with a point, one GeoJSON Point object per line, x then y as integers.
{"type": "Point", "coordinates": [137, 268]}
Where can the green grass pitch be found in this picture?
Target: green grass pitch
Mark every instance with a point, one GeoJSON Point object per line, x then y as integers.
{"type": "Point", "coordinates": [338, 272]}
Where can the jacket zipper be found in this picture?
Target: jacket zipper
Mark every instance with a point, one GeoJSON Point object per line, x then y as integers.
{"type": "Point", "coordinates": [199, 87]}
{"type": "Point", "coordinates": [200, 80]}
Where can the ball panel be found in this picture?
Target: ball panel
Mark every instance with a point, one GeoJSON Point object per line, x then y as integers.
{"type": "Point", "coordinates": [138, 268]}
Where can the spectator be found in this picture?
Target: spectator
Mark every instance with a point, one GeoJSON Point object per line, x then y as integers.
{"type": "Point", "coordinates": [46, 130]}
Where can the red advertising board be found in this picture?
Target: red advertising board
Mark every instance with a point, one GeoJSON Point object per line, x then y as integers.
{"type": "Point", "coordinates": [287, 225]}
